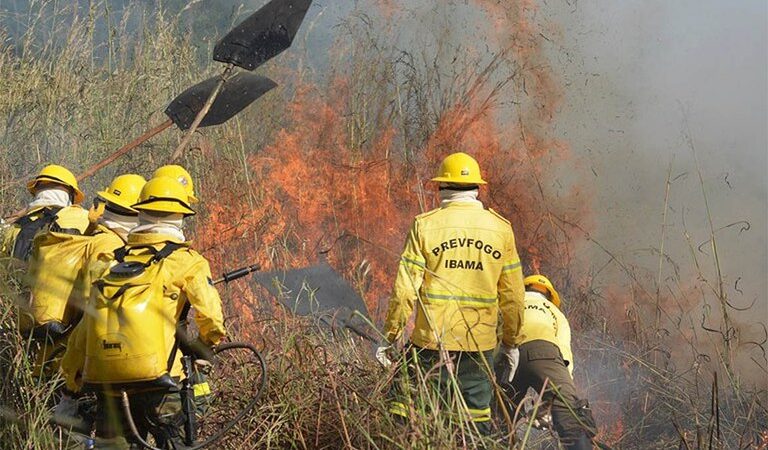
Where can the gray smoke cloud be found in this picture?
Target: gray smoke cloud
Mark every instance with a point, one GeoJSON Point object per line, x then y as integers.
{"type": "Point", "coordinates": [641, 79]}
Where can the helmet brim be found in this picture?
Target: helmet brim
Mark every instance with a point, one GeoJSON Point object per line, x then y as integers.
{"type": "Point", "coordinates": [455, 181]}
{"type": "Point", "coordinates": [112, 198]}
{"type": "Point", "coordinates": [166, 206]}
{"type": "Point", "coordinates": [32, 187]}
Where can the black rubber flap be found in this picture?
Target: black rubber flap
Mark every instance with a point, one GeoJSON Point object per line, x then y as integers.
{"type": "Point", "coordinates": [320, 292]}
{"type": "Point", "coordinates": [236, 94]}
{"type": "Point", "coordinates": [262, 35]}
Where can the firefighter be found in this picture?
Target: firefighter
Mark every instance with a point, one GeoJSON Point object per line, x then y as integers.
{"type": "Point", "coordinates": [50, 239]}
{"type": "Point", "coordinates": [545, 354]}
{"type": "Point", "coordinates": [458, 270]}
{"type": "Point", "coordinates": [53, 189]}
{"type": "Point", "coordinates": [174, 275]}
{"type": "Point", "coordinates": [116, 218]}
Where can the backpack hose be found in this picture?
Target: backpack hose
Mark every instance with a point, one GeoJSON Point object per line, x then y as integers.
{"type": "Point", "coordinates": [262, 383]}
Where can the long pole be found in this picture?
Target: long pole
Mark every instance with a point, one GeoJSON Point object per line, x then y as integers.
{"type": "Point", "coordinates": [109, 159]}
{"type": "Point", "coordinates": [201, 114]}
{"type": "Point", "coordinates": [124, 149]}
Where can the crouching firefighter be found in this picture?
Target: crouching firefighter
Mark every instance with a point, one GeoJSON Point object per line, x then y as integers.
{"type": "Point", "coordinates": [129, 327]}
{"type": "Point", "coordinates": [545, 354]}
{"type": "Point", "coordinates": [459, 269]}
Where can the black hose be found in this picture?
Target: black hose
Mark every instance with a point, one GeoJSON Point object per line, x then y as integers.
{"type": "Point", "coordinates": [228, 426]}
{"type": "Point", "coordinates": [131, 424]}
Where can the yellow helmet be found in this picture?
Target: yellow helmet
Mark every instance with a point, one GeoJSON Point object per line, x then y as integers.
{"type": "Point", "coordinates": [164, 194]}
{"type": "Point", "coordinates": [459, 168]}
{"type": "Point", "coordinates": [181, 175]}
{"type": "Point", "coordinates": [59, 175]}
{"type": "Point", "coordinates": [124, 190]}
{"type": "Point", "coordinates": [543, 282]}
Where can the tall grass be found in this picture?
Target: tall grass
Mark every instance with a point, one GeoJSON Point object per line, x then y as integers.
{"type": "Point", "coordinates": [78, 97]}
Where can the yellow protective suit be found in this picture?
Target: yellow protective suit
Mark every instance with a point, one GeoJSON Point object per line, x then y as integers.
{"type": "Point", "coordinates": [459, 268]}
{"type": "Point", "coordinates": [187, 278]}
{"type": "Point", "coordinates": [544, 321]}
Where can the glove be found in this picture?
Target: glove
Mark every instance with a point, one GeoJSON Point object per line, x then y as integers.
{"type": "Point", "coordinates": [382, 356]}
{"type": "Point", "coordinates": [511, 359]}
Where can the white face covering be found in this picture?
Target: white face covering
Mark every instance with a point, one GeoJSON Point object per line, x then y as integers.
{"type": "Point", "coordinates": [448, 195]}
{"type": "Point", "coordinates": [170, 224]}
{"type": "Point", "coordinates": [51, 196]}
{"type": "Point", "coordinates": [119, 223]}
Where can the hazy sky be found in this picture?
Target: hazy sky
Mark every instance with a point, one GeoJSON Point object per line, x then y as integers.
{"type": "Point", "coordinates": [635, 69]}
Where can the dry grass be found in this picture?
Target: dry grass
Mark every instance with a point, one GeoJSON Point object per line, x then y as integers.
{"type": "Point", "coordinates": [76, 98]}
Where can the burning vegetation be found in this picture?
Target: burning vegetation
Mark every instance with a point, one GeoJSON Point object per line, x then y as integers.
{"type": "Point", "coordinates": [332, 167]}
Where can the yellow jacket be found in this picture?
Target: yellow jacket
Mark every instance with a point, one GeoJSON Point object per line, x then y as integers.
{"type": "Point", "coordinates": [461, 266]}
{"type": "Point", "coordinates": [8, 239]}
{"type": "Point", "coordinates": [187, 279]}
{"type": "Point", "coordinates": [544, 321]}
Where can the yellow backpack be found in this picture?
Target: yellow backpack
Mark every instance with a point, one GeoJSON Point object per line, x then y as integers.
{"type": "Point", "coordinates": [130, 325]}
{"type": "Point", "coordinates": [55, 262]}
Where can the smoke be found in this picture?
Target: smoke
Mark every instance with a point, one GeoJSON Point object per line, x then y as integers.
{"type": "Point", "coordinates": [647, 84]}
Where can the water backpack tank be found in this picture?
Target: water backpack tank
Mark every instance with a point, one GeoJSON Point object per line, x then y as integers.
{"type": "Point", "coordinates": [55, 262]}
{"type": "Point", "coordinates": [130, 325]}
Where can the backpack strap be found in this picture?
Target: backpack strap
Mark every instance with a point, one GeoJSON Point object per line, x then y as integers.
{"type": "Point", "coordinates": [29, 228]}
{"type": "Point", "coordinates": [133, 268]}
{"type": "Point", "coordinates": [165, 252]}
{"type": "Point", "coordinates": [157, 255]}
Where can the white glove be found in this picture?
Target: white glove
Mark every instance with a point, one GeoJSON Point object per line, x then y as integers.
{"type": "Point", "coordinates": [381, 355]}
{"type": "Point", "coordinates": [512, 355]}
{"type": "Point", "coordinates": [66, 408]}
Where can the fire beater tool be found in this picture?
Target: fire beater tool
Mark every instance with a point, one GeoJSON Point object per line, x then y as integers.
{"type": "Point", "coordinates": [242, 90]}
{"type": "Point", "coordinates": [319, 291]}
{"type": "Point", "coordinates": [257, 39]}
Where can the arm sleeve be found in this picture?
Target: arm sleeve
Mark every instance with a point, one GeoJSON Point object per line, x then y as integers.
{"type": "Point", "coordinates": [9, 233]}
{"type": "Point", "coordinates": [204, 298]}
{"type": "Point", "coordinates": [511, 295]}
{"type": "Point", "coordinates": [74, 358]}
{"type": "Point", "coordinates": [410, 276]}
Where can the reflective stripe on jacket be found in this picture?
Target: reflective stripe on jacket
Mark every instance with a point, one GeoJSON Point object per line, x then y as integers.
{"type": "Point", "coordinates": [459, 268]}
{"type": "Point", "coordinates": [544, 321]}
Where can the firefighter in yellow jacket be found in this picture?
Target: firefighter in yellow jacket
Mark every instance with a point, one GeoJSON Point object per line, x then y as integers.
{"type": "Point", "coordinates": [184, 277]}
{"type": "Point", "coordinates": [545, 354]}
{"type": "Point", "coordinates": [459, 269]}
{"type": "Point", "coordinates": [53, 189]}
{"type": "Point", "coordinates": [53, 255]}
